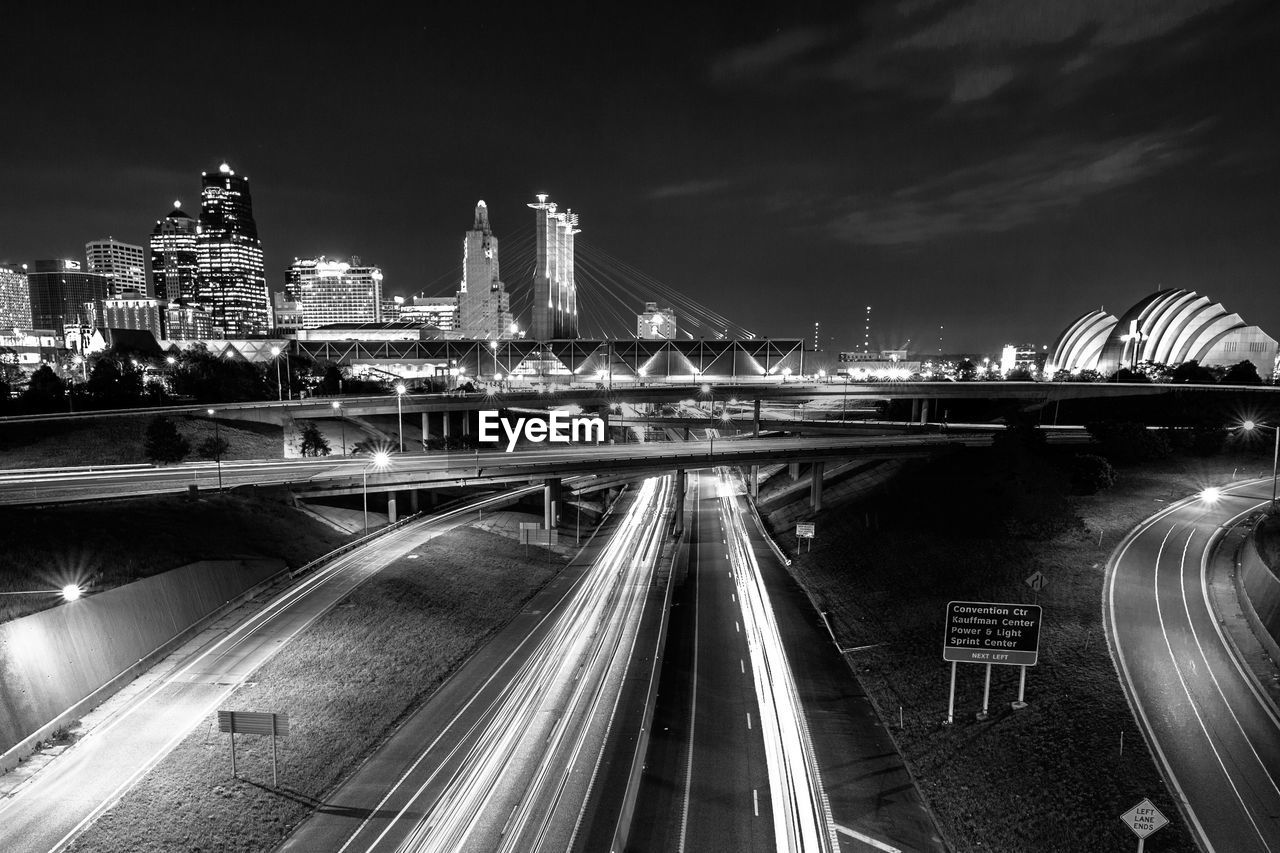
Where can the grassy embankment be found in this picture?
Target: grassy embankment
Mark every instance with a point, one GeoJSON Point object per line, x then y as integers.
{"type": "Point", "coordinates": [1052, 777]}
{"type": "Point", "coordinates": [118, 440]}
{"type": "Point", "coordinates": [113, 543]}
{"type": "Point", "coordinates": [345, 682]}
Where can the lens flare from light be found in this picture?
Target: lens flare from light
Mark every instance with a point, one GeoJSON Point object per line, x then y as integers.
{"type": "Point", "coordinates": [1211, 494]}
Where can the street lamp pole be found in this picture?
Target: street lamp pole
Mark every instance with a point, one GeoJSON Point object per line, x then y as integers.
{"type": "Point", "coordinates": [1275, 457]}
{"type": "Point", "coordinates": [380, 461]}
{"type": "Point", "coordinates": [400, 391]}
{"type": "Point", "coordinates": [275, 353]}
{"type": "Point", "coordinates": [217, 448]}
{"type": "Point", "coordinates": [337, 407]}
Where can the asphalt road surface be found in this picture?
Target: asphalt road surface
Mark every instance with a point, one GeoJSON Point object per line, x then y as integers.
{"type": "Point", "coordinates": [503, 756]}
{"type": "Point", "coordinates": [67, 795]}
{"type": "Point", "coordinates": [1215, 735]}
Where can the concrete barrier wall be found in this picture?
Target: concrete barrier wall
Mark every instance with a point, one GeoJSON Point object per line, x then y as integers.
{"type": "Point", "coordinates": [51, 661]}
{"type": "Point", "coordinates": [1261, 598]}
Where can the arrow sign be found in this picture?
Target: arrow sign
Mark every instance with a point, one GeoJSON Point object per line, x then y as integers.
{"type": "Point", "coordinates": [1037, 581]}
{"type": "Point", "coordinates": [1144, 819]}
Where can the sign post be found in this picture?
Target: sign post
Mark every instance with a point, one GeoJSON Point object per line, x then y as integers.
{"type": "Point", "coordinates": [254, 723]}
{"type": "Point", "coordinates": [804, 530]}
{"type": "Point", "coordinates": [1144, 819]}
{"type": "Point", "coordinates": [983, 632]}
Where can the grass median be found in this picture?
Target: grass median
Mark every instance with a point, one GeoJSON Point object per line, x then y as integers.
{"type": "Point", "coordinates": [346, 682]}
{"type": "Point", "coordinates": [1057, 775]}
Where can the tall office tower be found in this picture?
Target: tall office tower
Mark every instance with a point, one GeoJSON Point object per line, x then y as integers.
{"type": "Point", "coordinates": [555, 294]}
{"type": "Point", "coordinates": [337, 292]}
{"type": "Point", "coordinates": [229, 256]}
{"type": "Point", "coordinates": [484, 306]}
{"type": "Point", "coordinates": [15, 297]}
{"type": "Point", "coordinates": [187, 320]}
{"type": "Point", "coordinates": [174, 268]}
{"type": "Point", "coordinates": [63, 294]}
{"type": "Point", "coordinates": [123, 262]}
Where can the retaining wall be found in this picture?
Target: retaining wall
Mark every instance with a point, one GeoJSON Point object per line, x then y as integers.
{"type": "Point", "coordinates": [1261, 596]}
{"type": "Point", "coordinates": [53, 661]}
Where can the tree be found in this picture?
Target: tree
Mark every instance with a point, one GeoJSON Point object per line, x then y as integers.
{"type": "Point", "coordinates": [1090, 474]}
{"type": "Point", "coordinates": [212, 448]}
{"type": "Point", "coordinates": [164, 444]}
{"type": "Point", "coordinates": [966, 370]}
{"type": "Point", "coordinates": [1062, 375]}
{"type": "Point", "coordinates": [45, 390]}
{"type": "Point", "coordinates": [115, 381]}
{"type": "Point", "coordinates": [1243, 373]}
{"type": "Point", "coordinates": [331, 383]}
{"type": "Point", "coordinates": [313, 441]}
{"type": "Point", "coordinates": [1089, 375]}
{"type": "Point", "coordinates": [1191, 371]}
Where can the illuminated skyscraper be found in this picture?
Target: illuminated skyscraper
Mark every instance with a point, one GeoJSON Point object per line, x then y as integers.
{"type": "Point", "coordinates": [229, 256]}
{"type": "Point", "coordinates": [63, 294]}
{"type": "Point", "coordinates": [174, 267]}
{"type": "Point", "coordinates": [484, 307]}
{"type": "Point", "coordinates": [123, 263]}
{"type": "Point", "coordinates": [15, 297]}
{"type": "Point", "coordinates": [555, 294]}
{"type": "Point", "coordinates": [337, 292]}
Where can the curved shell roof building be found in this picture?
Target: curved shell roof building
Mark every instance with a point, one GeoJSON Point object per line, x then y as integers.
{"type": "Point", "coordinates": [1166, 327]}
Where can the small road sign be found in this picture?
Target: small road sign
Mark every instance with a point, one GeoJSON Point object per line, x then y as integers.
{"type": "Point", "coordinates": [1144, 819]}
{"type": "Point", "coordinates": [254, 723]}
{"type": "Point", "coordinates": [804, 529]}
{"type": "Point", "coordinates": [1037, 581]}
{"type": "Point", "coordinates": [982, 632]}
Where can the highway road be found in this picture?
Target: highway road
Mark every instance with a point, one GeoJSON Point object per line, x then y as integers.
{"type": "Point", "coordinates": [504, 755]}
{"type": "Point", "coordinates": [1216, 736]}
{"type": "Point", "coordinates": [64, 797]}
{"type": "Point", "coordinates": [346, 474]}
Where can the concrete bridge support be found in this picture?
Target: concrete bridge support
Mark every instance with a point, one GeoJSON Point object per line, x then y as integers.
{"type": "Point", "coordinates": [413, 500]}
{"type": "Point", "coordinates": [391, 507]}
{"type": "Point", "coordinates": [915, 410]}
{"type": "Point", "coordinates": [682, 481]}
{"type": "Point", "coordinates": [815, 487]}
{"type": "Point", "coordinates": [793, 469]}
{"type": "Point", "coordinates": [444, 417]}
{"type": "Point", "coordinates": [551, 502]}
{"type": "Point", "coordinates": [755, 482]}
{"type": "Point", "coordinates": [466, 423]}
{"type": "Point", "coordinates": [755, 421]}
{"type": "Point", "coordinates": [426, 427]}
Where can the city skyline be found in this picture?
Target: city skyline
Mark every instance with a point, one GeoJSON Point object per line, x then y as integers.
{"type": "Point", "coordinates": [784, 169]}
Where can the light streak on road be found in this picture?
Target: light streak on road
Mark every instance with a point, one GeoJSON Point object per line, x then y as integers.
{"type": "Point", "coordinates": [801, 815]}
{"type": "Point", "coordinates": [521, 776]}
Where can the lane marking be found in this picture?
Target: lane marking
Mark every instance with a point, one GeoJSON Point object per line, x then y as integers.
{"type": "Point", "coordinates": [748, 719]}
{"type": "Point", "coordinates": [867, 839]}
{"type": "Point", "coordinates": [737, 627]}
{"type": "Point", "coordinates": [755, 801]}
{"type": "Point", "coordinates": [693, 705]}
{"type": "Point", "coordinates": [742, 666]}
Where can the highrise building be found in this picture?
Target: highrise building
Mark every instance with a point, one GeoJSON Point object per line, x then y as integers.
{"type": "Point", "coordinates": [286, 313]}
{"type": "Point", "coordinates": [63, 294]}
{"type": "Point", "coordinates": [656, 324]}
{"type": "Point", "coordinates": [174, 267]}
{"type": "Point", "coordinates": [484, 306]}
{"type": "Point", "coordinates": [187, 320]}
{"type": "Point", "coordinates": [338, 292]}
{"type": "Point", "coordinates": [15, 297]}
{"type": "Point", "coordinates": [131, 311]}
{"type": "Point", "coordinates": [123, 263]}
{"type": "Point", "coordinates": [555, 293]}
{"type": "Point", "coordinates": [438, 311]}
{"type": "Point", "coordinates": [229, 256]}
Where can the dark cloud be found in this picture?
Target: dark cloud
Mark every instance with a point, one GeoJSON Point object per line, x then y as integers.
{"type": "Point", "coordinates": [1008, 192]}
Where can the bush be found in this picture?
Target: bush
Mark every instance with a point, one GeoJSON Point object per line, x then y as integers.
{"type": "Point", "coordinates": [163, 443]}
{"type": "Point", "coordinates": [1091, 474]}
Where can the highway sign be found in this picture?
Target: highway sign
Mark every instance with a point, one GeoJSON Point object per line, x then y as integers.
{"type": "Point", "coordinates": [253, 723]}
{"type": "Point", "coordinates": [1144, 819]}
{"type": "Point", "coordinates": [804, 529]}
{"type": "Point", "coordinates": [1037, 581]}
{"type": "Point", "coordinates": [982, 632]}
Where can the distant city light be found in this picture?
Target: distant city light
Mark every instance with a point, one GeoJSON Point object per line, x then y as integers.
{"type": "Point", "coordinates": [71, 592]}
{"type": "Point", "coordinates": [1211, 494]}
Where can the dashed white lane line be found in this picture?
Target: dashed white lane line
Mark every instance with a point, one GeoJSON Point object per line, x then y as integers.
{"type": "Point", "coordinates": [867, 839]}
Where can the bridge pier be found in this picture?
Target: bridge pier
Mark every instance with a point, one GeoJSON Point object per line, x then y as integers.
{"type": "Point", "coordinates": [444, 417]}
{"type": "Point", "coordinates": [755, 482]}
{"type": "Point", "coordinates": [915, 410]}
{"type": "Point", "coordinates": [681, 482]}
{"type": "Point", "coordinates": [793, 469]}
{"type": "Point", "coordinates": [755, 420]}
{"type": "Point", "coordinates": [391, 507]}
{"type": "Point", "coordinates": [413, 501]}
{"type": "Point", "coordinates": [466, 423]}
{"type": "Point", "coordinates": [924, 412]}
{"type": "Point", "coordinates": [426, 427]}
{"type": "Point", "coordinates": [550, 502]}
{"type": "Point", "coordinates": [815, 487]}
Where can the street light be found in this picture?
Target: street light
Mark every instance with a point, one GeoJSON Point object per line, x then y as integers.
{"type": "Point", "coordinates": [275, 353]}
{"type": "Point", "coordinates": [381, 460]}
{"type": "Point", "coordinates": [400, 392]}
{"type": "Point", "coordinates": [337, 408]}
{"type": "Point", "coordinates": [711, 416]}
{"type": "Point", "coordinates": [217, 447]}
{"type": "Point", "coordinates": [1250, 426]}
{"type": "Point", "coordinates": [70, 592]}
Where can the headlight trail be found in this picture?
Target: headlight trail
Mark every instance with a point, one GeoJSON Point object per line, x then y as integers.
{"type": "Point", "coordinates": [521, 776]}
{"type": "Point", "coordinates": [801, 814]}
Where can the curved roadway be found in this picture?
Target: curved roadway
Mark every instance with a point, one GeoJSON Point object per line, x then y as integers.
{"type": "Point", "coordinates": [1215, 734]}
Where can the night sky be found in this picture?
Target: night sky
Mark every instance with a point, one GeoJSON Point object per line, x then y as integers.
{"type": "Point", "coordinates": [994, 166]}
